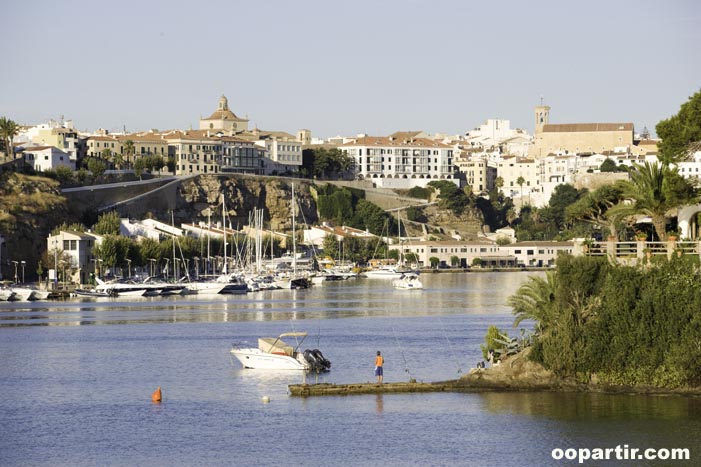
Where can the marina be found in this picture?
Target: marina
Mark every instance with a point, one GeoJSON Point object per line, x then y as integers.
{"type": "Point", "coordinates": [78, 374]}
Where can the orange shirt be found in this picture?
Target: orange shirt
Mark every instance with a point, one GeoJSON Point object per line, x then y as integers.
{"type": "Point", "coordinates": [379, 361]}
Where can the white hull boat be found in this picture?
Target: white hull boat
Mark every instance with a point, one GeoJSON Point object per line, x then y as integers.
{"type": "Point", "coordinates": [22, 294]}
{"type": "Point", "coordinates": [274, 354]}
{"type": "Point", "coordinates": [6, 294]}
{"type": "Point", "coordinates": [205, 288]}
{"type": "Point", "coordinates": [40, 294]}
{"type": "Point", "coordinates": [386, 273]}
{"type": "Point", "coordinates": [408, 282]}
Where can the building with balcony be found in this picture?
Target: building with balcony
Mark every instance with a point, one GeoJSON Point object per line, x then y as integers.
{"type": "Point", "coordinates": [401, 160]}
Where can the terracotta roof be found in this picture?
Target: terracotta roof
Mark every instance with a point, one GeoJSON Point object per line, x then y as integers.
{"type": "Point", "coordinates": [224, 115]}
{"type": "Point", "coordinates": [390, 141]}
{"type": "Point", "coordinates": [37, 148]}
{"type": "Point", "coordinates": [582, 127]}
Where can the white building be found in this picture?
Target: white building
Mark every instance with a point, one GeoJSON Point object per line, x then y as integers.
{"type": "Point", "coordinates": [691, 168]}
{"type": "Point", "coordinates": [463, 253]}
{"type": "Point", "coordinates": [401, 160]}
{"type": "Point", "coordinates": [78, 247]}
{"type": "Point", "coordinates": [43, 158]}
{"type": "Point", "coordinates": [316, 234]}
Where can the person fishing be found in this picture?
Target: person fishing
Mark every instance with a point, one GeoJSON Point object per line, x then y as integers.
{"type": "Point", "coordinates": [379, 363]}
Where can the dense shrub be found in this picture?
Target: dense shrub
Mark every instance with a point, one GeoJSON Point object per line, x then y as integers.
{"type": "Point", "coordinates": [629, 325]}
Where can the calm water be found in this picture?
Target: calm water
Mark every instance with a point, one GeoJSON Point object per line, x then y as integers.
{"type": "Point", "coordinates": [76, 379]}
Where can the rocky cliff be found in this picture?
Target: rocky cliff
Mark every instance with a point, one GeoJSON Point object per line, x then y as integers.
{"type": "Point", "coordinates": [29, 208]}
{"type": "Point", "coordinates": [201, 197]}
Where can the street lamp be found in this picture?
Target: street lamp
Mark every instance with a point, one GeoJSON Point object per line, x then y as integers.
{"type": "Point", "coordinates": [15, 263]}
{"type": "Point", "coordinates": [23, 264]}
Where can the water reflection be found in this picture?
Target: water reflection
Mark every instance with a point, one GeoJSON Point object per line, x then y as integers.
{"type": "Point", "coordinates": [445, 294]}
{"type": "Point", "coordinates": [594, 406]}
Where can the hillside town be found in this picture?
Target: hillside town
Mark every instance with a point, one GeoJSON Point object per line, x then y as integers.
{"type": "Point", "coordinates": [492, 158]}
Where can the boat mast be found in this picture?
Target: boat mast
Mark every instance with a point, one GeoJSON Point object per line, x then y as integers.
{"type": "Point", "coordinates": [223, 218]}
{"type": "Point", "coordinates": [294, 240]}
{"type": "Point", "coordinates": [172, 224]}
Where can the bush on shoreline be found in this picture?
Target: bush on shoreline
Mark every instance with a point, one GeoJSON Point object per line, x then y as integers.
{"type": "Point", "coordinates": [626, 325]}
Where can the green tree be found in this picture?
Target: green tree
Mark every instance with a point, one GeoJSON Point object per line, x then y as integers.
{"type": "Point", "coordinates": [328, 163]}
{"type": "Point", "coordinates": [129, 150]}
{"type": "Point", "coordinates": [609, 165]}
{"type": "Point", "coordinates": [369, 216]}
{"type": "Point", "coordinates": [535, 301]}
{"type": "Point", "coordinates": [655, 189]}
{"type": "Point", "coordinates": [520, 181]}
{"type": "Point", "coordinates": [563, 196]}
{"type": "Point", "coordinates": [451, 197]}
{"type": "Point", "coordinates": [108, 224]}
{"type": "Point", "coordinates": [330, 246]}
{"type": "Point", "coordinates": [681, 133]}
{"type": "Point", "coordinates": [8, 130]}
{"type": "Point", "coordinates": [595, 208]}
{"type": "Point", "coordinates": [96, 166]}
{"type": "Point", "coordinates": [434, 261]}
{"type": "Point", "coordinates": [499, 183]}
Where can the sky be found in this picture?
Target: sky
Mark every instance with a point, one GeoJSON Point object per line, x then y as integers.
{"type": "Point", "coordinates": [347, 67]}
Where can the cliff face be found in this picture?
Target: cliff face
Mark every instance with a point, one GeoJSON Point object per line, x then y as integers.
{"type": "Point", "coordinates": [29, 208]}
{"type": "Point", "coordinates": [201, 197]}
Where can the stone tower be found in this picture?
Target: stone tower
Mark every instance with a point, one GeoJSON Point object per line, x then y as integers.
{"type": "Point", "coordinates": [542, 117]}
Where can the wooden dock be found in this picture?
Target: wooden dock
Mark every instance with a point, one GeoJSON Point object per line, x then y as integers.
{"type": "Point", "coordinates": [326, 389]}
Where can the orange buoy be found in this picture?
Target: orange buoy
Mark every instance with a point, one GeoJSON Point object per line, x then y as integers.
{"type": "Point", "coordinates": [156, 396]}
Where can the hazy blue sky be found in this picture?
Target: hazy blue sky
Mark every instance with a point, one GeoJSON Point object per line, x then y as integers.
{"type": "Point", "coordinates": [346, 67]}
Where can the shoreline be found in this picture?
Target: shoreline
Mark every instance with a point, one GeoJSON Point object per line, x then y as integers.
{"type": "Point", "coordinates": [515, 374]}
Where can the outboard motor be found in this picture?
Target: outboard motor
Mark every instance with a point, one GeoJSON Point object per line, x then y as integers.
{"type": "Point", "coordinates": [313, 363]}
{"type": "Point", "coordinates": [325, 364]}
{"type": "Point", "coordinates": [316, 360]}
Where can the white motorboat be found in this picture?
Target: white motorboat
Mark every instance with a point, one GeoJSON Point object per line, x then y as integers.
{"type": "Point", "coordinates": [408, 281]}
{"type": "Point", "coordinates": [205, 287]}
{"type": "Point", "coordinates": [90, 293]}
{"type": "Point", "coordinates": [38, 294]}
{"type": "Point", "coordinates": [386, 272]}
{"type": "Point", "coordinates": [122, 288]}
{"type": "Point", "coordinates": [6, 294]}
{"type": "Point", "coordinates": [22, 294]}
{"type": "Point", "coordinates": [273, 353]}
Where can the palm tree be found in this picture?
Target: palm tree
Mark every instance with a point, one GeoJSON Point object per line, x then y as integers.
{"type": "Point", "coordinates": [535, 300]}
{"type": "Point", "coordinates": [8, 130]}
{"type": "Point", "coordinates": [498, 183]}
{"type": "Point", "coordinates": [520, 181]}
{"type": "Point", "coordinates": [596, 207]}
{"type": "Point", "coordinates": [655, 189]}
{"type": "Point", "coordinates": [129, 150]}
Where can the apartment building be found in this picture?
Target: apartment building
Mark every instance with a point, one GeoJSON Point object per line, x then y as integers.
{"type": "Point", "coordinates": [480, 174]}
{"type": "Point", "coordinates": [202, 152]}
{"type": "Point", "coordinates": [401, 160]}
{"type": "Point", "coordinates": [511, 168]}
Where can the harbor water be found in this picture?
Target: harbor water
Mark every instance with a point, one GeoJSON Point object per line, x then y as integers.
{"type": "Point", "coordinates": [76, 379]}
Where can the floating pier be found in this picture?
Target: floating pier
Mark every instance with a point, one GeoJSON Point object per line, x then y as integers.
{"type": "Point", "coordinates": [326, 389]}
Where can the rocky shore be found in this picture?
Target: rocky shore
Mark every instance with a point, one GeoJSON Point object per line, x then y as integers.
{"type": "Point", "coordinates": [515, 373]}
